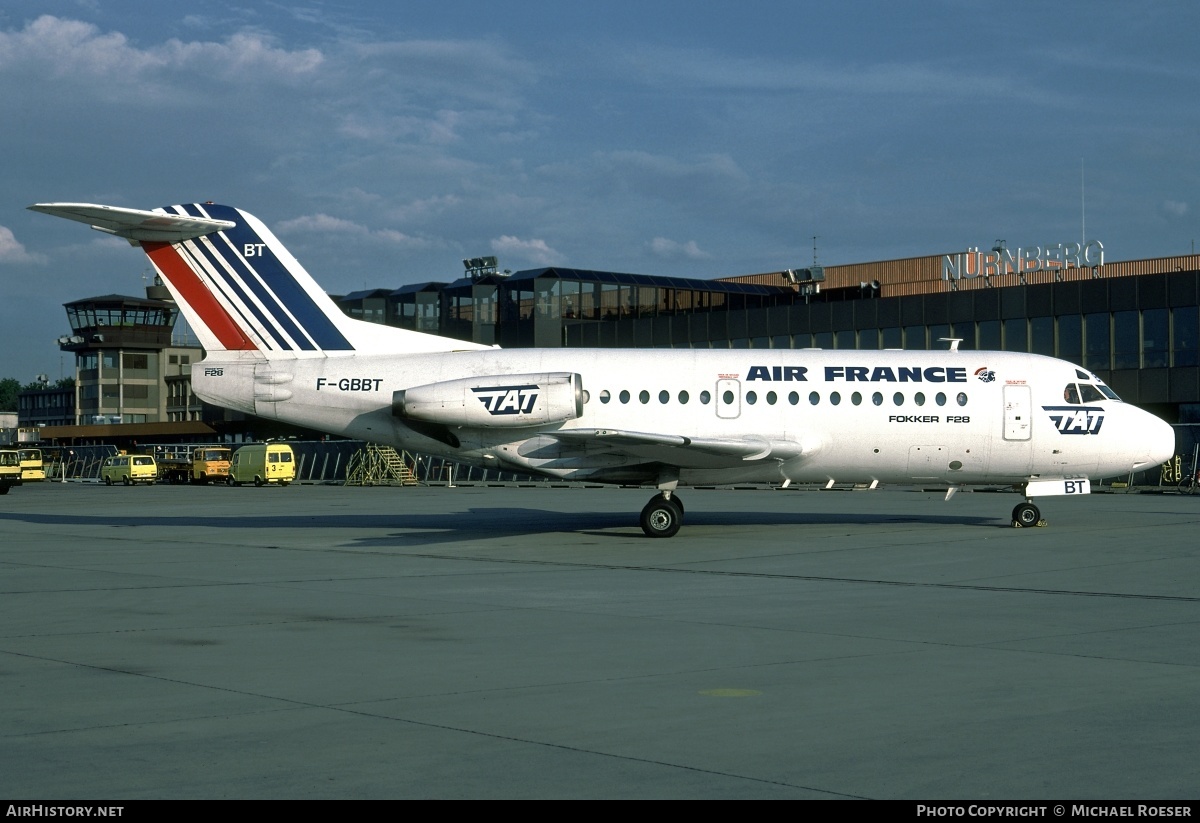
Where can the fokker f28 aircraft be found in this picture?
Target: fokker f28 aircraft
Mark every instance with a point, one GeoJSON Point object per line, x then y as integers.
{"type": "Point", "coordinates": [277, 346]}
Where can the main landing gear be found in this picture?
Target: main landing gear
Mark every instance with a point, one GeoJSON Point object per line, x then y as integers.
{"type": "Point", "coordinates": [1026, 515]}
{"type": "Point", "coordinates": [662, 516]}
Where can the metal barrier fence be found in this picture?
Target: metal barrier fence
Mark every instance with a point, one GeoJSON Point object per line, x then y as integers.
{"type": "Point", "coordinates": [323, 461]}
{"type": "Point", "coordinates": [440, 470]}
{"type": "Point", "coordinates": [76, 462]}
{"type": "Point", "coordinates": [326, 462]}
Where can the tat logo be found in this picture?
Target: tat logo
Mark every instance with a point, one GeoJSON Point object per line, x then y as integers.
{"type": "Point", "coordinates": [507, 399]}
{"type": "Point", "coordinates": [1076, 419]}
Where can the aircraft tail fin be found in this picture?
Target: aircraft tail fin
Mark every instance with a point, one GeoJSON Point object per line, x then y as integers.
{"type": "Point", "coordinates": [239, 287]}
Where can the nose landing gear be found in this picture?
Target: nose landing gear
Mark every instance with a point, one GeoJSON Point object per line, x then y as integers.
{"type": "Point", "coordinates": [1026, 515]}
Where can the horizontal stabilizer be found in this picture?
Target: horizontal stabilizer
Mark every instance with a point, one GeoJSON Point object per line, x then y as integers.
{"type": "Point", "coordinates": [239, 288]}
{"type": "Point", "coordinates": [135, 225]}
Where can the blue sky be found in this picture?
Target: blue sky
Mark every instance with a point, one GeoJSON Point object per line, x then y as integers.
{"type": "Point", "coordinates": [384, 142]}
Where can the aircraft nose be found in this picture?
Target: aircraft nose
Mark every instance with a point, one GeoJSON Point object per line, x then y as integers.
{"type": "Point", "coordinates": [1156, 442]}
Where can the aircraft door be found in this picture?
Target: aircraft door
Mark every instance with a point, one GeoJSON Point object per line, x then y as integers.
{"type": "Point", "coordinates": [1018, 415]}
{"type": "Point", "coordinates": [729, 398]}
{"type": "Point", "coordinates": [1014, 453]}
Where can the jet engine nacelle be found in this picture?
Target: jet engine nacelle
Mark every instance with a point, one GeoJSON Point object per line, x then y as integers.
{"type": "Point", "coordinates": [498, 401]}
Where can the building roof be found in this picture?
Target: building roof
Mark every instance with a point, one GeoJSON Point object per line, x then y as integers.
{"type": "Point", "coordinates": [138, 431]}
{"type": "Point", "coordinates": [364, 294]}
{"type": "Point", "coordinates": [414, 288]}
{"type": "Point", "coordinates": [121, 300]}
{"type": "Point", "coordinates": [657, 281]}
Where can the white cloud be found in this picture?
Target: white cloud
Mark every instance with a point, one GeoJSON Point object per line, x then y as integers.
{"type": "Point", "coordinates": [664, 247]}
{"type": "Point", "coordinates": [706, 167]}
{"type": "Point", "coordinates": [424, 207]}
{"type": "Point", "coordinates": [408, 241]}
{"type": "Point", "coordinates": [76, 48]}
{"type": "Point", "coordinates": [534, 250]}
{"type": "Point", "coordinates": [12, 251]}
{"type": "Point", "coordinates": [325, 224]}
{"type": "Point", "coordinates": [1174, 208]}
{"type": "Point", "coordinates": [321, 223]}
{"type": "Point", "coordinates": [259, 97]}
{"type": "Point", "coordinates": [478, 69]}
{"type": "Point", "coordinates": [772, 74]}
{"type": "Point", "coordinates": [438, 128]}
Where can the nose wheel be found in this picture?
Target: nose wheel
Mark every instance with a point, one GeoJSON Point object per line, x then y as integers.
{"type": "Point", "coordinates": [662, 516]}
{"type": "Point", "coordinates": [1026, 515]}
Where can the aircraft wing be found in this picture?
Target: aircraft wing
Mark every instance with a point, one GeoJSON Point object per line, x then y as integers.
{"type": "Point", "coordinates": [678, 450]}
{"type": "Point", "coordinates": [135, 225]}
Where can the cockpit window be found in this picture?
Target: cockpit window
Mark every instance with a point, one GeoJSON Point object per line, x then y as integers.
{"type": "Point", "coordinates": [1104, 390]}
{"type": "Point", "coordinates": [1088, 393]}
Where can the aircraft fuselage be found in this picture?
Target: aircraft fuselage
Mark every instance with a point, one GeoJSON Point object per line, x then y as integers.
{"type": "Point", "coordinates": [955, 417]}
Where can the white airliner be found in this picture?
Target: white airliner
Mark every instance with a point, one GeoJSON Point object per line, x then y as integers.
{"type": "Point", "coordinates": [277, 346]}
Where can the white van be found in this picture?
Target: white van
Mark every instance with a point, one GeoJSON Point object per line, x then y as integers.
{"type": "Point", "coordinates": [263, 463]}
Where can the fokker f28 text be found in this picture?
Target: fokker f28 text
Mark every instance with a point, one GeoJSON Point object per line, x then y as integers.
{"type": "Point", "coordinates": [277, 346]}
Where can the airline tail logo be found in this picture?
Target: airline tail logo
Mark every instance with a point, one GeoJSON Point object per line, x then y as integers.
{"type": "Point", "coordinates": [242, 285]}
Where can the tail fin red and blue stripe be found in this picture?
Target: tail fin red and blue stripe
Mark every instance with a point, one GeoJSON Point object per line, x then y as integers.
{"type": "Point", "coordinates": [246, 288]}
{"type": "Point", "coordinates": [239, 288]}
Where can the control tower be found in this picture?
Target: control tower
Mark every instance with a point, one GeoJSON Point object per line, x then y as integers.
{"type": "Point", "coordinates": [124, 356]}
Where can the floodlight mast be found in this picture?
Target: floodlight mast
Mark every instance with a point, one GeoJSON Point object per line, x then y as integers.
{"type": "Point", "coordinates": [479, 267]}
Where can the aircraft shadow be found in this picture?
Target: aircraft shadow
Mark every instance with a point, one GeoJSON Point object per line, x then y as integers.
{"type": "Point", "coordinates": [489, 523]}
